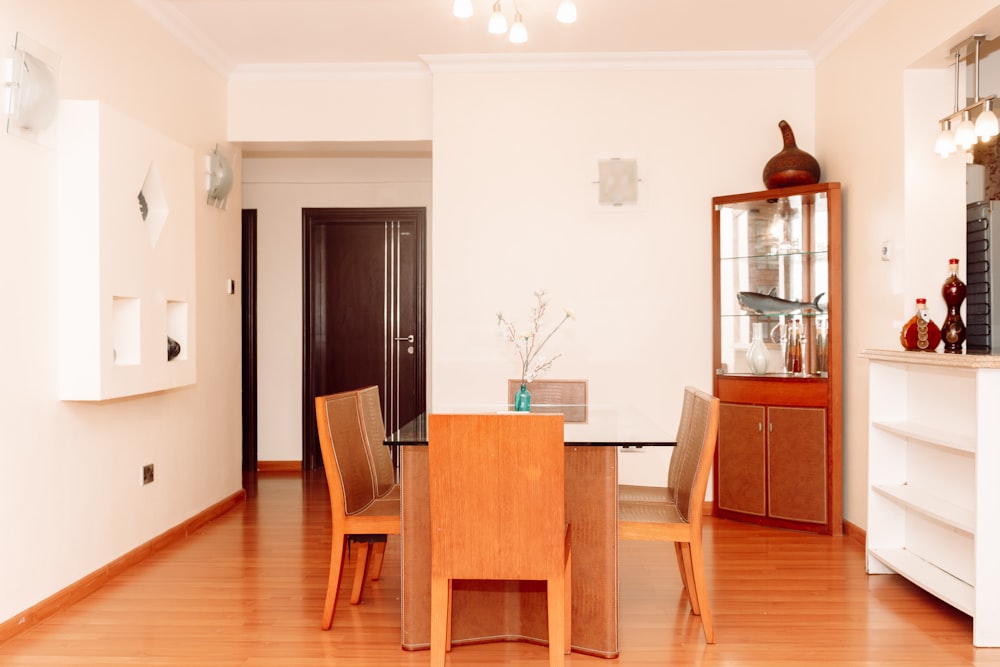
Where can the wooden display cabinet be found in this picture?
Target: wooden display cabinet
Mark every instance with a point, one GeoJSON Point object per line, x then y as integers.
{"type": "Point", "coordinates": [777, 264]}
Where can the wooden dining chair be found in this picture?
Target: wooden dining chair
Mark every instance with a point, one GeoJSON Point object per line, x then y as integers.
{"type": "Point", "coordinates": [497, 511]}
{"type": "Point", "coordinates": [386, 486]}
{"type": "Point", "coordinates": [356, 508]}
{"type": "Point", "coordinates": [676, 515]}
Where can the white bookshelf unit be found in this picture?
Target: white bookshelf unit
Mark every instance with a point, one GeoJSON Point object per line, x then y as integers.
{"type": "Point", "coordinates": [126, 249]}
{"type": "Point", "coordinates": [933, 467]}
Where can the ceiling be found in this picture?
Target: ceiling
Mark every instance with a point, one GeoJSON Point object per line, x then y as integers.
{"type": "Point", "coordinates": [247, 34]}
{"type": "Point", "coordinates": [285, 36]}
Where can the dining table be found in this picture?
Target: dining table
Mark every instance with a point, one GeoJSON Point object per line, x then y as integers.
{"type": "Point", "coordinates": [488, 610]}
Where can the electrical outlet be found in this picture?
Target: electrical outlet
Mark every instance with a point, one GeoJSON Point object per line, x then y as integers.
{"type": "Point", "coordinates": [147, 474]}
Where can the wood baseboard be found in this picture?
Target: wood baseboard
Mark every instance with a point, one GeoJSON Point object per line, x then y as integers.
{"type": "Point", "coordinates": [93, 581]}
{"type": "Point", "coordinates": [279, 466]}
{"type": "Point", "coordinates": [855, 533]}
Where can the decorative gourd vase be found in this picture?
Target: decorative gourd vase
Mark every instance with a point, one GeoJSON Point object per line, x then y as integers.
{"type": "Point", "coordinates": [522, 399]}
{"type": "Point", "coordinates": [757, 352]}
{"type": "Point", "coordinates": [953, 328]}
{"type": "Point", "coordinates": [792, 166]}
{"type": "Point", "coordinates": [920, 332]}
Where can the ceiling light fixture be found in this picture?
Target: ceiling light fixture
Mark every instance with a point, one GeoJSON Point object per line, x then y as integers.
{"type": "Point", "coordinates": [966, 132]}
{"type": "Point", "coordinates": [518, 33]}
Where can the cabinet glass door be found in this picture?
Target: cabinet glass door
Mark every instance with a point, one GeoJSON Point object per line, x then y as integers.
{"type": "Point", "coordinates": [774, 270]}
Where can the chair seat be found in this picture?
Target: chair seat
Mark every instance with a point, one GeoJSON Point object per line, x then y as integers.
{"type": "Point", "coordinates": [649, 512]}
{"type": "Point", "coordinates": [394, 493]}
{"type": "Point", "coordinates": [628, 493]}
{"type": "Point", "coordinates": [386, 506]}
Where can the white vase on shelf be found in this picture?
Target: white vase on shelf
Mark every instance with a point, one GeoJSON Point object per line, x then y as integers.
{"type": "Point", "coordinates": [757, 352]}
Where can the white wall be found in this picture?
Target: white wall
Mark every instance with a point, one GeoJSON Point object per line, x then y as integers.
{"type": "Point", "coordinates": [879, 97]}
{"type": "Point", "coordinates": [514, 165]}
{"type": "Point", "coordinates": [70, 472]}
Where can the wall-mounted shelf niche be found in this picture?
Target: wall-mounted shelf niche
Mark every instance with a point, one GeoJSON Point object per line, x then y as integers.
{"type": "Point", "coordinates": [126, 197]}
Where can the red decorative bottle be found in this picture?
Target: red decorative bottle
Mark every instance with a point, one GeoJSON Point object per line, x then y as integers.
{"type": "Point", "coordinates": [920, 332]}
{"type": "Point", "coordinates": [953, 291]}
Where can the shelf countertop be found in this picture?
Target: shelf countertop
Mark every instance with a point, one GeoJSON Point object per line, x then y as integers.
{"type": "Point", "coordinates": [933, 358]}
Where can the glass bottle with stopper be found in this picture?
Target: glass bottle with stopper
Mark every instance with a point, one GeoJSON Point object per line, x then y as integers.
{"type": "Point", "coordinates": [920, 332]}
{"type": "Point", "coordinates": [953, 328]}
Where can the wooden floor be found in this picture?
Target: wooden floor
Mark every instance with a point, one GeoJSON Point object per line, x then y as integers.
{"type": "Point", "coordinates": [248, 589]}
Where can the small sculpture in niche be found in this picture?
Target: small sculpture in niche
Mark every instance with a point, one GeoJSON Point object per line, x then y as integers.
{"type": "Point", "coordinates": [173, 349]}
{"type": "Point", "coordinates": [143, 205]}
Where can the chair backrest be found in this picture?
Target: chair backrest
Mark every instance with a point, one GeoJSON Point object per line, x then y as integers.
{"type": "Point", "coordinates": [371, 414]}
{"type": "Point", "coordinates": [345, 454]}
{"type": "Point", "coordinates": [696, 449]}
{"type": "Point", "coordinates": [683, 427]}
{"type": "Point", "coordinates": [497, 495]}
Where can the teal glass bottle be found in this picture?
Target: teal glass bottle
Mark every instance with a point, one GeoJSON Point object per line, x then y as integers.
{"type": "Point", "coordinates": [522, 399]}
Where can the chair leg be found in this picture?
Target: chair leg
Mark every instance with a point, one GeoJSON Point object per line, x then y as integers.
{"type": "Point", "coordinates": [333, 581]}
{"type": "Point", "coordinates": [701, 589]}
{"type": "Point", "coordinates": [364, 556]}
{"type": "Point", "coordinates": [680, 565]}
{"type": "Point", "coordinates": [688, 576]}
{"type": "Point", "coordinates": [440, 615]}
{"type": "Point", "coordinates": [568, 594]}
{"type": "Point", "coordinates": [556, 600]}
{"type": "Point", "coordinates": [378, 555]}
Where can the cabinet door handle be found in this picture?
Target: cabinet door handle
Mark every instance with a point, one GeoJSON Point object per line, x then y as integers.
{"type": "Point", "coordinates": [770, 427]}
{"type": "Point", "coordinates": [760, 427]}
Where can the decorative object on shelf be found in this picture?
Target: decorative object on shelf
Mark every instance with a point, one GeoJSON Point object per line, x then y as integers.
{"type": "Point", "coordinates": [953, 328]}
{"type": "Point", "coordinates": [769, 304]}
{"type": "Point", "coordinates": [822, 345]}
{"type": "Point", "coordinates": [793, 348]}
{"type": "Point", "coordinates": [792, 165]}
{"type": "Point", "coordinates": [757, 352]}
{"type": "Point", "coordinates": [219, 178]}
{"type": "Point", "coordinates": [920, 332]}
{"type": "Point", "coordinates": [173, 349]}
{"type": "Point", "coordinates": [966, 132]}
{"type": "Point", "coordinates": [565, 13]}
{"type": "Point", "coordinates": [528, 345]}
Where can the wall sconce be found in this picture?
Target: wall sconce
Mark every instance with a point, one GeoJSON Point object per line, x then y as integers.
{"type": "Point", "coordinates": [218, 178]}
{"type": "Point", "coordinates": [518, 34]}
{"type": "Point", "coordinates": [618, 182]}
{"type": "Point", "coordinates": [31, 97]}
{"type": "Point", "coordinates": [958, 129]}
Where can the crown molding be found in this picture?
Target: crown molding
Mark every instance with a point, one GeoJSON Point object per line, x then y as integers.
{"type": "Point", "coordinates": [577, 62]}
{"type": "Point", "coordinates": [187, 33]}
{"type": "Point", "coordinates": [329, 71]}
{"type": "Point", "coordinates": [845, 25]}
{"type": "Point", "coordinates": [537, 62]}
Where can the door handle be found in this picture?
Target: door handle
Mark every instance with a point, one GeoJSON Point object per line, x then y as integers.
{"type": "Point", "coordinates": [407, 339]}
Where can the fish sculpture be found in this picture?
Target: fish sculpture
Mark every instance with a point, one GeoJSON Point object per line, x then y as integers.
{"type": "Point", "coordinates": [766, 304]}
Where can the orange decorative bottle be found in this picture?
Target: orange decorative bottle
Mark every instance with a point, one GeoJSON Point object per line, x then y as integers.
{"type": "Point", "coordinates": [953, 291]}
{"type": "Point", "coordinates": [920, 332]}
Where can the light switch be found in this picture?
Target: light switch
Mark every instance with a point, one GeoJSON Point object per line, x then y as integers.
{"type": "Point", "coordinates": [230, 286]}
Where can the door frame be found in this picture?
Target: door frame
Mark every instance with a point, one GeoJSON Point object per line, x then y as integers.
{"type": "Point", "coordinates": [248, 326]}
{"type": "Point", "coordinates": [311, 457]}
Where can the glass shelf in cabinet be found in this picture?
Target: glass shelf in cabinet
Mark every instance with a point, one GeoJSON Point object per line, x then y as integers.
{"type": "Point", "coordinates": [776, 255]}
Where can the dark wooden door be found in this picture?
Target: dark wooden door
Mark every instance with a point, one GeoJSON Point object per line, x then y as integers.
{"type": "Point", "coordinates": [248, 305]}
{"type": "Point", "coordinates": [363, 311]}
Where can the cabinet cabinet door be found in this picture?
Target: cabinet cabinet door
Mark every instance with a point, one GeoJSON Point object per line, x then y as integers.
{"type": "Point", "coordinates": [741, 459]}
{"type": "Point", "coordinates": [796, 465]}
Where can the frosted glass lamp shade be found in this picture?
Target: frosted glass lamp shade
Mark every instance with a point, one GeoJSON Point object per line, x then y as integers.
{"type": "Point", "coordinates": [566, 12]}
